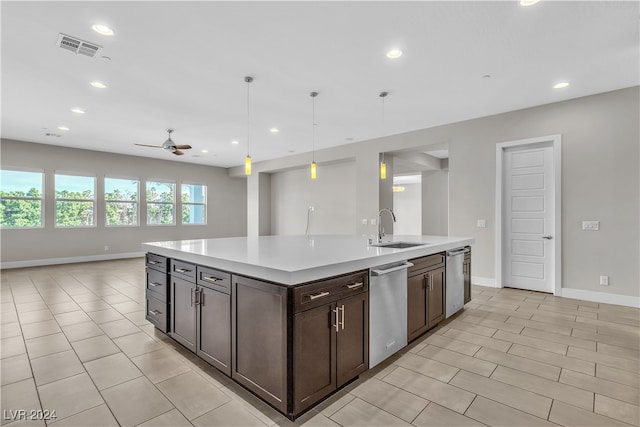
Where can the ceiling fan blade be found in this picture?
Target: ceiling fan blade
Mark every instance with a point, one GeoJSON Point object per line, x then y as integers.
{"type": "Point", "coordinates": [145, 145]}
{"type": "Point", "coordinates": [183, 147]}
{"type": "Point", "coordinates": [178, 152]}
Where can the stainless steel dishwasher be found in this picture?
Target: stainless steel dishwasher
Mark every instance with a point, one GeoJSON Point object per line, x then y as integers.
{"type": "Point", "coordinates": [387, 310]}
{"type": "Point", "coordinates": [455, 281]}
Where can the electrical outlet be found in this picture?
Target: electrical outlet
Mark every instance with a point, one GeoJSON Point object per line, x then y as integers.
{"type": "Point", "coordinates": [364, 221]}
{"type": "Point", "coordinates": [604, 280]}
{"type": "Point", "coordinates": [373, 221]}
{"type": "Point", "coordinates": [106, 248]}
{"type": "Point", "coordinates": [312, 208]}
{"type": "Point", "coordinates": [482, 223]}
{"type": "Point", "coordinates": [591, 225]}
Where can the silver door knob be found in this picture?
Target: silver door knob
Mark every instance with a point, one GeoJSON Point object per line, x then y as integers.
{"type": "Point", "coordinates": [547, 237]}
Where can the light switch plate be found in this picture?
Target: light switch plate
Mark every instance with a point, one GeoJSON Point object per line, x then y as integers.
{"type": "Point", "coordinates": [364, 221]}
{"type": "Point", "coordinates": [373, 221]}
{"type": "Point", "coordinates": [591, 225]}
{"type": "Point", "coordinates": [604, 280]}
{"type": "Point", "coordinates": [482, 223]}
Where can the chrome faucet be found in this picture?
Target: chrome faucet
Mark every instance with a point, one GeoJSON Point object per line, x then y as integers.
{"type": "Point", "coordinates": [380, 229]}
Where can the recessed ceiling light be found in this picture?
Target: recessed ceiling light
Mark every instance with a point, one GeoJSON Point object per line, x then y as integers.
{"type": "Point", "coordinates": [63, 128]}
{"type": "Point", "coordinates": [102, 29]}
{"type": "Point", "coordinates": [234, 142]}
{"type": "Point", "coordinates": [486, 76]}
{"type": "Point", "coordinates": [77, 110]}
{"type": "Point", "coordinates": [348, 139]}
{"type": "Point", "coordinates": [394, 53]}
{"type": "Point", "coordinates": [528, 2]}
{"type": "Point", "coordinates": [561, 85]}
{"type": "Point", "coordinates": [106, 58]}
{"type": "Point", "coordinates": [205, 151]}
{"type": "Point", "coordinates": [99, 85]}
{"type": "Point", "coordinates": [274, 130]}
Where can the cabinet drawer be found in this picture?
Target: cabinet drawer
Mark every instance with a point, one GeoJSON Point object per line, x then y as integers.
{"type": "Point", "coordinates": [214, 279]}
{"type": "Point", "coordinates": [157, 283]}
{"type": "Point", "coordinates": [319, 293]}
{"type": "Point", "coordinates": [156, 262]}
{"type": "Point", "coordinates": [157, 313]}
{"type": "Point", "coordinates": [184, 270]}
{"type": "Point", "coordinates": [420, 265]}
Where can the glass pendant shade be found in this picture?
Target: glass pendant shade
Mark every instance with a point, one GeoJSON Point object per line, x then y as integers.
{"type": "Point", "coordinates": [314, 172]}
{"type": "Point", "coordinates": [247, 165]}
{"type": "Point", "coordinates": [383, 170]}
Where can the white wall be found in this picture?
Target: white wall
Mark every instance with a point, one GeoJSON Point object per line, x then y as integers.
{"type": "Point", "coordinates": [600, 181]}
{"type": "Point", "coordinates": [407, 205]}
{"type": "Point", "coordinates": [435, 202]}
{"type": "Point", "coordinates": [226, 198]}
{"type": "Point", "coordinates": [332, 194]}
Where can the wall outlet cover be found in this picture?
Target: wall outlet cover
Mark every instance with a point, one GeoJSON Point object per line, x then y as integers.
{"type": "Point", "coordinates": [591, 225]}
{"type": "Point", "coordinates": [364, 221]}
{"type": "Point", "coordinates": [373, 221]}
{"type": "Point", "coordinates": [604, 280]}
{"type": "Point", "coordinates": [482, 223]}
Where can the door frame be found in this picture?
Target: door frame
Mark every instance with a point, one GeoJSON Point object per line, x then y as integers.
{"type": "Point", "coordinates": [556, 144]}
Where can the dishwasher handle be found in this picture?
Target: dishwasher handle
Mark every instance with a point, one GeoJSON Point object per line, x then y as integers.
{"type": "Point", "coordinates": [402, 266]}
{"type": "Point", "coordinates": [457, 252]}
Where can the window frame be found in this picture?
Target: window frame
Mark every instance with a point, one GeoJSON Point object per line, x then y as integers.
{"type": "Point", "coordinates": [94, 200]}
{"type": "Point", "coordinates": [106, 202]}
{"type": "Point", "coordinates": [206, 199]}
{"type": "Point", "coordinates": [147, 202]}
{"type": "Point", "coordinates": [42, 197]}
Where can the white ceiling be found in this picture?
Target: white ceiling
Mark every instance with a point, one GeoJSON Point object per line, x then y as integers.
{"type": "Point", "coordinates": [182, 65]}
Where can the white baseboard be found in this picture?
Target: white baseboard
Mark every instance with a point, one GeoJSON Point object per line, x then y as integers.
{"type": "Point", "coordinates": [484, 281]}
{"type": "Point", "coordinates": [68, 260]}
{"type": "Point", "coordinates": [603, 297]}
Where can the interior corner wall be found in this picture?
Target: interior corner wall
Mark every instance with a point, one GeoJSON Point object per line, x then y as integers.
{"type": "Point", "coordinates": [226, 197]}
{"type": "Point", "coordinates": [332, 195]}
{"type": "Point", "coordinates": [435, 202]}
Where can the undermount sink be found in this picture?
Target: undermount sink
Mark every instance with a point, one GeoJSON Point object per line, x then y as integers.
{"type": "Point", "coordinates": [400, 245]}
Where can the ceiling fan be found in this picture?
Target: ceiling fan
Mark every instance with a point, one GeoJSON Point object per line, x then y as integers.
{"type": "Point", "coordinates": [169, 145]}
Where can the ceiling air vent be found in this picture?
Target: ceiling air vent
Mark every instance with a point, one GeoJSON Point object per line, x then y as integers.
{"type": "Point", "coordinates": [76, 45]}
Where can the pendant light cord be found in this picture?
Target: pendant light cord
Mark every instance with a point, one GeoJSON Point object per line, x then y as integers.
{"type": "Point", "coordinates": [383, 95]}
{"type": "Point", "coordinates": [313, 126]}
{"type": "Point", "coordinates": [248, 80]}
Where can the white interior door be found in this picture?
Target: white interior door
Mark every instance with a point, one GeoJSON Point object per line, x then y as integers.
{"type": "Point", "coordinates": [528, 215]}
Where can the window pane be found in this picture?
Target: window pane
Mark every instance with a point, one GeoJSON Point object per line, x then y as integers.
{"type": "Point", "coordinates": [20, 213]}
{"type": "Point", "coordinates": [160, 191]}
{"type": "Point", "coordinates": [119, 213]}
{"type": "Point", "coordinates": [75, 187]}
{"type": "Point", "coordinates": [20, 184]}
{"type": "Point", "coordinates": [74, 214]}
{"type": "Point", "coordinates": [194, 193]}
{"type": "Point", "coordinates": [120, 189]}
{"type": "Point", "coordinates": [193, 214]}
{"type": "Point", "coordinates": [159, 214]}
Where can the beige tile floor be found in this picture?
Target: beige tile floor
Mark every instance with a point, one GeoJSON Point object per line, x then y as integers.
{"type": "Point", "coordinates": [74, 340]}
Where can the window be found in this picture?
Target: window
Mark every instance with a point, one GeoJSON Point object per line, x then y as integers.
{"type": "Point", "coordinates": [75, 200]}
{"type": "Point", "coordinates": [121, 201]}
{"type": "Point", "coordinates": [160, 203]}
{"type": "Point", "coordinates": [20, 199]}
{"type": "Point", "coordinates": [194, 204]}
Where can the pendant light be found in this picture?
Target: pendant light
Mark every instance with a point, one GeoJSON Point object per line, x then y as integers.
{"type": "Point", "coordinates": [314, 172]}
{"type": "Point", "coordinates": [383, 165]}
{"type": "Point", "coordinates": [247, 160]}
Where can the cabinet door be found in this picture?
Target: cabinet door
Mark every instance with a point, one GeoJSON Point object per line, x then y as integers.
{"type": "Point", "coordinates": [314, 358]}
{"type": "Point", "coordinates": [466, 270]}
{"type": "Point", "coordinates": [436, 295]}
{"type": "Point", "coordinates": [214, 328]}
{"type": "Point", "coordinates": [183, 312]}
{"type": "Point", "coordinates": [416, 306]}
{"type": "Point", "coordinates": [352, 339]}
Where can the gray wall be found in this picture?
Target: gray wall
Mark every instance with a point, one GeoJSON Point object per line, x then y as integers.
{"type": "Point", "coordinates": [600, 181]}
{"type": "Point", "coordinates": [226, 197]}
{"type": "Point", "coordinates": [333, 196]}
{"type": "Point", "coordinates": [435, 202]}
{"type": "Point", "coordinates": [407, 205]}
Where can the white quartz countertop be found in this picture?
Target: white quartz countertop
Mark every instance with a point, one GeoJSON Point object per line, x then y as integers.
{"type": "Point", "coordinates": [292, 260]}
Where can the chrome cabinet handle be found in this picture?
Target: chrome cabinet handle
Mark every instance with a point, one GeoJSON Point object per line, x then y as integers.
{"type": "Point", "coordinates": [342, 317]}
{"type": "Point", "coordinates": [336, 325]}
{"type": "Point", "coordinates": [198, 294]}
{"type": "Point", "coordinates": [201, 298]}
{"type": "Point", "coordinates": [182, 270]}
{"type": "Point", "coordinates": [154, 312]}
{"type": "Point", "coordinates": [154, 262]}
{"type": "Point", "coordinates": [153, 284]}
{"type": "Point", "coordinates": [356, 285]}
{"type": "Point", "coordinates": [320, 295]}
{"type": "Point", "coordinates": [192, 296]}
{"type": "Point", "coordinates": [210, 279]}
{"type": "Point", "coordinates": [429, 284]}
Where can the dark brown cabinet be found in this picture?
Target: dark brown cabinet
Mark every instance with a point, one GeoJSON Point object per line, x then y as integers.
{"type": "Point", "coordinates": [425, 294]}
{"type": "Point", "coordinates": [331, 341]}
{"type": "Point", "coordinates": [201, 313]}
{"type": "Point", "coordinates": [466, 272]}
{"type": "Point", "coordinates": [157, 297]}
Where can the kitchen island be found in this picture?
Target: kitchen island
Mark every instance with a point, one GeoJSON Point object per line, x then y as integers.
{"type": "Point", "coordinates": [287, 317]}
